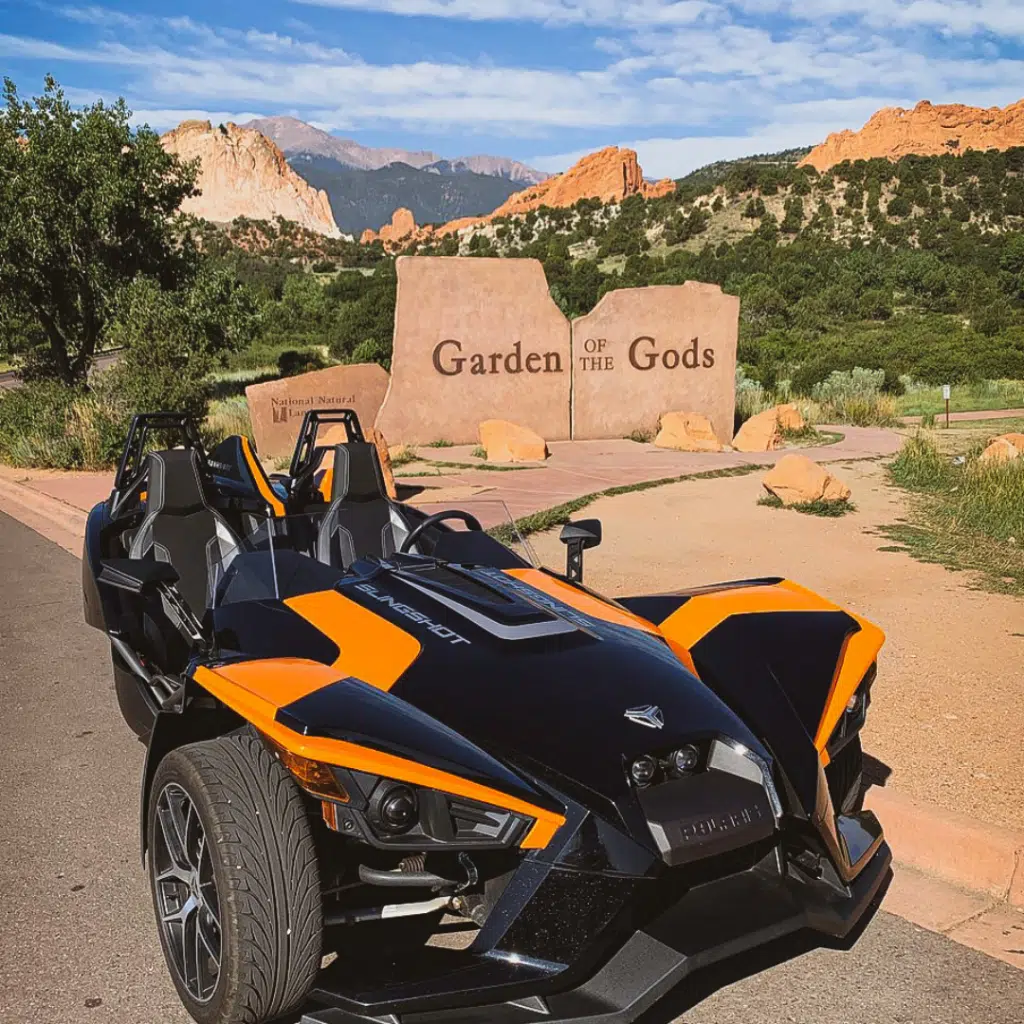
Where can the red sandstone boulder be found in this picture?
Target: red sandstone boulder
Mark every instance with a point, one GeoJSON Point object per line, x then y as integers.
{"type": "Point", "coordinates": [687, 432]}
{"type": "Point", "coordinates": [760, 433]}
{"type": "Point", "coordinates": [509, 442]}
{"type": "Point", "coordinates": [790, 417]}
{"type": "Point", "coordinates": [1002, 449]}
{"type": "Point", "coordinates": [797, 480]}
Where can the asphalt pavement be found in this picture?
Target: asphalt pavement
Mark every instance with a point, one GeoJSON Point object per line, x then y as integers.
{"type": "Point", "coordinates": [77, 940]}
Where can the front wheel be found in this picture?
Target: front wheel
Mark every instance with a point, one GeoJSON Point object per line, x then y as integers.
{"type": "Point", "coordinates": [235, 882]}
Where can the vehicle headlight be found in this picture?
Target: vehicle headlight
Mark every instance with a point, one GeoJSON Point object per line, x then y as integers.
{"type": "Point", "coordinates": [397, 815]}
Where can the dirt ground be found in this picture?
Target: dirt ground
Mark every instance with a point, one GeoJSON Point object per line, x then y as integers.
{"type": "Point", "coordinates": [948, 708]}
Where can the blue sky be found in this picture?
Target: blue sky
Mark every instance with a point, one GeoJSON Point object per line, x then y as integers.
{"type": "Point", "coordinates": [682, 81]}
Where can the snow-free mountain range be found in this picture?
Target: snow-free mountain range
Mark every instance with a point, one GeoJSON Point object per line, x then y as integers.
{"type": "Point", "coordinates": [280, 166]}
{"type": "Point", "coordinates": [366, 185]}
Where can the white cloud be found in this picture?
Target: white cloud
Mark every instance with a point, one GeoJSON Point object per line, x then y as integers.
{"type": "Point", "coordinates": [692, 80]}
{"type": "Point", "coordinates": [566, 12]}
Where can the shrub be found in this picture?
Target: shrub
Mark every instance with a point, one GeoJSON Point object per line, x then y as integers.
{"type": "Point", "coordinates": [292, 362]}
{"type": "Point", "coordinates": [751, 397]}
{"type": "Point", "coordinates": [324, 267]}
{"type": "Point", "coordinates": [855, 397]}
{"type": "Point", "coordinates": [920, 466]}
{"type": "Point", "coordinates": [173, 341]}
{"type": "Point", "coordinates": [52, 426]}
{"type": "Point", "coordinates": [227, 417]}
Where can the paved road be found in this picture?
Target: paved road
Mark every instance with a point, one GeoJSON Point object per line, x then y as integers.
{"type": "Point", "coordinates": [9, 379]}
{"type": "Point", "coordinates": [78, 946]}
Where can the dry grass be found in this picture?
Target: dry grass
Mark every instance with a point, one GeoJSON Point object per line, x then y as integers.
{"type": "Point", "coordinates": [228, 416]}
{"type": "Point", "coordinates": [967, 514]}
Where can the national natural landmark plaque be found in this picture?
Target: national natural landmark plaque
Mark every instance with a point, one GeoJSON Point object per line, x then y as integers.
{"type": "Point", "coordinates": [277, 407]}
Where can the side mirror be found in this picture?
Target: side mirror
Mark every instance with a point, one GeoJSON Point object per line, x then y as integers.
{"type": "Point", "coordinates": [577, 538]}
{"type": "Point", "coordinates": [137, 575]}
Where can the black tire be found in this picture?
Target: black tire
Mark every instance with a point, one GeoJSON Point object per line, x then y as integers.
{"type": "Point", "coordinates": [845, 775]}
{"type": "Point", "coordinates": [247, 829]}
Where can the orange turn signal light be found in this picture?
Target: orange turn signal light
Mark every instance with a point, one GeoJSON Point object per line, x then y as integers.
{"type": "Point", "coordinates": [313, 776]}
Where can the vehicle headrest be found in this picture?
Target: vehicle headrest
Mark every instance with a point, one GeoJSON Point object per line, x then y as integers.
{"type": "Point", "coordinates": [357, 473]}
{"type": "Point", "coordinates": [234, 460]}
{"type": "Point", "coordinates": [175, 483]}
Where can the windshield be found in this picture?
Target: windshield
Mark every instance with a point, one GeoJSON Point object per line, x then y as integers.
{"type": "Point", "coordinates": [280, 558]}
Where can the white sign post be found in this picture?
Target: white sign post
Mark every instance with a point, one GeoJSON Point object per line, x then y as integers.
{"type": "Point", "coordinates": [946, 393]}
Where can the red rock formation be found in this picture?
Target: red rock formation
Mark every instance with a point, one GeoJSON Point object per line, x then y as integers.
{"type": "Point", "coordinates": [926, 130]}
{"type": "Point", "coordinates": [610, 175]}
{"type": "Point", "coordinates": [243, 174]}
{"type": "Point", "coordinates": [400, 231]}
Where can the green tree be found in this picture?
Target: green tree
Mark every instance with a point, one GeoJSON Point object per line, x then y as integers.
{"type": "Point", "coordinates": [174, 339]}
{"type": "Point", "coordinates": [365, 327]}
{"type": "Point", "coordinates": [85, 202]}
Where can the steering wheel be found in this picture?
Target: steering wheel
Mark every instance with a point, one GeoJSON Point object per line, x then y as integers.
{"type": "Point", "coordinates": [438, 517]}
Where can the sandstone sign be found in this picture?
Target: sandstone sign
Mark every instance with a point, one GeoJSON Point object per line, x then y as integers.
{"type": "Point", "coordinates": [277, 407]}
{"type": "Point", "coordinates": [475, 339]}
{"type": "Point", "coordinates": [643, 352]}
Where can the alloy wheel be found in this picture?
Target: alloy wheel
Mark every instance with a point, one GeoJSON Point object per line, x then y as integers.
{"type": "Point", "coordinates": [188, 908]}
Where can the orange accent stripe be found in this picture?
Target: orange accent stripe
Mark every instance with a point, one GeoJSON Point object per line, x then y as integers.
{"type": "Point", "coordinates": [238, 686]}
{"type": "Point", "coordinates": [700, 615]}
{"type": "Point", "coordinates": [260, 479]}
{"type": "Point", "coordinates": [372, 649]}
{"type": "Point", "coordinates": [581, 600]}
{"type": "Point", "coordinates": [326, 484]}
{"type": "Point", "coordinates": [859, 652]}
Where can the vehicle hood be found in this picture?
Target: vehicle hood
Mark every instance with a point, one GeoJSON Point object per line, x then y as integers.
{"type": "Point", "coordinates": [541, 673]}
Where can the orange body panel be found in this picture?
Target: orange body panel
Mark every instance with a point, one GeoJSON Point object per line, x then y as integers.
{"type": "Point", "coordinates": [260, 478]}
{"type": "Point", "coordinates": [254, 689]}
{"type": "Point", "coordinates": [703, 613]}
{"type": "Point", "coordinates": [860, 652]}
{"type": "Point", "coordinates": [372, 649]}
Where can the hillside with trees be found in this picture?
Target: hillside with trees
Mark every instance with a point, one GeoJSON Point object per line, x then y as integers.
{"type": "Point", "coordinates": [915, 267]}
{"type": "Point", "coordinates": [912, 268]}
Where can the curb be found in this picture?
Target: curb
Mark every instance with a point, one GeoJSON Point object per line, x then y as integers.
{"type": "Point", "coordinates": [54, 519]}
{"type": "Point", "coordinates": [942, 844]}
{"type": "Point", "coordinates": [952, 847]}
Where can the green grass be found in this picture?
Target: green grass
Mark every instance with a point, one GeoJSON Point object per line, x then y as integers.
{"type": "Point", "coordinates": [479, 452]}
{"type": "Point", "coordinates": [228, 416]}
{"type": "Point", "coordinates": [640, 436]}
{"type": "Point", "coordinates": [404, 457]}
{"type": "Point", "coordinates": [1010, 425]}
{"type": "Point", "coordinates": [964, 517]}
{"type": "Point", "coordinates": [977, 397]}
{"type": "Point", "coordinates": [440, 443]}
{"type": "Point", "coordinates": [488, 467]}
{"type": "Point", "coordinates": [807, 433]}
{"type": "Point", "coordinates": [827, 509]}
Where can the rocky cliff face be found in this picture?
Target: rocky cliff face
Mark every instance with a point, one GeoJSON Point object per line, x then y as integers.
{"type": "Point", "coordinates": [610, 175]}
{"type": "Point", "coordinates": [243, 174]}
{"type": "Point", "coordinates": [400, 230]}
{"type": "Point", "coordinates": [926, 130]}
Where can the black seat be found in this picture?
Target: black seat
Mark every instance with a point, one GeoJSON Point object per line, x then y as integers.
{"type": "Point", "coordinates": [360, 521]}
{"type": "Point", "coordinates": [181, 527]}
